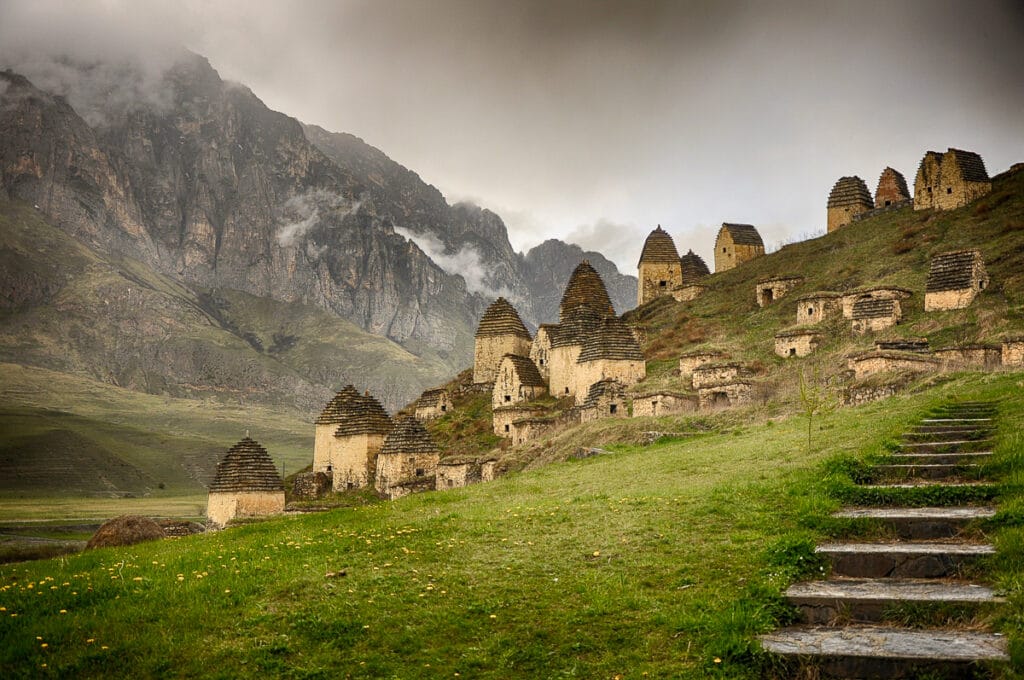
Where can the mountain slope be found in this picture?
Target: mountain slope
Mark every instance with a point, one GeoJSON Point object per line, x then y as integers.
{"type": "Point", "coordinates": [67, 307]}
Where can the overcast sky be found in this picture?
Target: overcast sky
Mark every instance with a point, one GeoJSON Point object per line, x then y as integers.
{"type": "Point", "coordinates": [595, 121]}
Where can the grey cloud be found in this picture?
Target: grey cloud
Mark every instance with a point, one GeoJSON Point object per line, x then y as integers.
{"type": "Point", "coordinates": [304, 212]}
{"type": "Point", "coordinates": [465, 262]}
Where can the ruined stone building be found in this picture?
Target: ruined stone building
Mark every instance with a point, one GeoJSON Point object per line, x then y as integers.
{"type": "Point", "coordinates": [692, 360]}
{"type": "Point", "coordinates": [877, 293]}
{"type": "Point", "coordinates": [980, 357]}
{"type": "Point", "coordinates": [871, 314]}
{"type": "Point", "coordinates": [605, 399]}
{"type": "Point", "coordinates": [517, 380]}
{"type": "Point", "coordinates": [946, 181]}
{"type": "Point", "coordinates": [816, 307]}
{"type": "Point", "coordinates": [246, 484]}
{"type": "Point", "coordinates": [797, 342]}
{"type": "Point", "coordinates": [663, 403]}
{"type": "Point", "coordinates": [408, 460]}
{"type": "Point", "coordinates": [659, 271]}
{"type": "Point", "coordinates": [500, 332]}
{"type": "Point", "coordinates": [724, 395]}
{"type": "Point", "coordinates": [1013, 352]}
{"type": "Point", "coordinates": [454, 473]}
{"type": "Point", "coordinates": [892, 191]}
{"type": "Point", "coordinates": [349, 433]}
{"type": "Point", "coordinates": [736, 244]}
{"type": "Point", "coordinates": [504, 417]}
{"type": "Point", "coordinates": [887, 361]}
{"type": "Point", "coordinates": [770, 290]}
{"type": "Point", "coordinates": [954, 280]}
{"type": "Point", "coordinates": [433, 404]}
{"type": "Point", "coordinates": [848, 199]}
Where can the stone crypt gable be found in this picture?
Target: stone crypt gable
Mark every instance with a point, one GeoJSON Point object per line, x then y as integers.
{"type": "Point", "coordinates": [659, 271]}
{"type": "Point", "coordinates": [408, 460]}
{"type": "Point", "coordinates": [892, 189]}
{"type": "Point", "coordinates": [693, 268]}
{"type": "Point", "coordinates": [849, 198]}
{"type": "Point", "coordinates": [736, 244]}
{"type": "Point", "coordinates": [246, 484]}
{"type": "Point", "coordinates": [500, 332]}
{"type": "Point", "coordinates": [517, 380]}
{"type": "Point", "coordinates": [349, 433]}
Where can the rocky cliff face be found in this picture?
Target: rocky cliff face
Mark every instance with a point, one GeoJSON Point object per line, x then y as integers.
{"type": "Point", "coordinates": [203, 184]}
{"type": "Point", "coordinates": [549, 265]}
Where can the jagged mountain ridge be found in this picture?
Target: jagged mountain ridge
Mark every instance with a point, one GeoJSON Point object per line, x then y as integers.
{"type": "Point", "coordinates": [209, 187]}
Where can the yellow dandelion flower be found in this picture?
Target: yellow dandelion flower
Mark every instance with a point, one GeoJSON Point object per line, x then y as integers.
{"type": "Point", "coordinates": [63, 611]}
{"type": "Point", "coordinates": [494, 616]}
{"type": "Point", "coordinates": [717, 660]}
{"type": "Point", "coordinates": [104, 647]}
{"type": "Point", "coordinates": [44, 645]}
{"type": "Point", "coordinates": [90, 641]}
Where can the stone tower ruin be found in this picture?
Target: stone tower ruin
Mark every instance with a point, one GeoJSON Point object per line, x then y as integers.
{"type": "Point", "coordinates": [585, 304]}
{"type": "Point", "coordinates": [660, 269]}
{"type": "Point", "coordinates": [610, 352]}
{"type": "Point", "coordinates": [946, 181]}
{"type": "Point", "coordinates": [892, 190]}
{"type": "Point", "coordinates": [500, 332]}
{"type": "Point", "coordinates": [849, 198]}
{"type": "Point", "coordinates": [736, 244]}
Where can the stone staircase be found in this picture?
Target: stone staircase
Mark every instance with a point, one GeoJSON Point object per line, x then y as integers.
{"type": "Point", "coordinates": [926, 574]}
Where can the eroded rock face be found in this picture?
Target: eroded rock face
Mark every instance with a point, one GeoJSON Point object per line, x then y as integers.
{"type": "Point", "coordinates": [221, 192]}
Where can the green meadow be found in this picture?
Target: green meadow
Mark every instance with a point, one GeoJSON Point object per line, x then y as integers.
{"type": "Point", "coordinates": [658, 561]}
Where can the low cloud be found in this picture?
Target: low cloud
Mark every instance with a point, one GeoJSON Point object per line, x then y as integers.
{"type": "Point", "coordinates": [307, 210]}
{"type": "Point", "coordinates": [465, 262]}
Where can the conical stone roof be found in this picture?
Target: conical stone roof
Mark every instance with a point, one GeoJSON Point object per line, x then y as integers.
{"type": "Point", "coordinates": [694, 268]}
{"type": "Point", "coordinates": [612, 340]}
{"type": "Point", "coordinates": [892, 186]}
{"type": "Point", "coordinates": [501, 318]}
{"type": "Point", "coordinates": [246, 467]}
{"type": "Point", "coordinates": [363, 415]}
{"type": "Point", "coordinates": [335, 410]}
{"type": "Point", "coordinates": [409, 436]}
{"type": "Point", "coordinates": [659, 247]}
{"type": "Point", "coordinates": [585, 289]}
{"type": "Point", "coordinates": [607, 387]}
{"type": "Point", "coordinates": [850, 191]}
{"type": "Point", "coordinates": [576, 326]}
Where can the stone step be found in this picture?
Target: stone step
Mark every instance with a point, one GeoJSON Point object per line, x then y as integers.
{"type": "Point", "coordinates": [951, 446]}
{"type": "Point", "coordinates": [902, 560]}
{"type": "Point", "coordinates": [946, 435]}
{"type": "Point", "coordinates": [868, 600]}
{"type": "Point", "coordinates": [926, 470]}
{"type": "Point", "coordinates": [881, 652]}
{"type": "Point", "coordinates": [921, 523]}
{"type": "Point", "coordinates": [955, 421]}
{"type": "Point", "coordinates": [955, 458]}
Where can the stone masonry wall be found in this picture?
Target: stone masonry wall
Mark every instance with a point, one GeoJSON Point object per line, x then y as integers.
{"type": "Point", "coordinates": [540, 353]}
{"type": "Point", "coordinates": [714, 374]}
{"type": "Point", "coordinates": [627, 372]}
{"type": "Point", "coordinates": [1013, 352]}
{"type": "Point", "coordinates": [489, 350]}
{"type": "Point", "coordinates": [691, 361]}
{"type": "Point", "coordinates": [398, 467]}
{"type": "Point", "coordinates": [354, 459]}
{"type": "Point", "coordinates": [688, 293]}
{"type": "Point", "coordinates": [724, 396]}
{"type": "Point", "coordinates": [796, 345]}
{"type": "Point", "coordinates": [222, 507]}
{"type": "Point", "coordinates": [657, 279]}
{"type": "Point", "coordinates": [870, 364]}
{"type": "Point", "coordinates": [663, 405]}
{"type": "Point", "coordinates": [563, 370]}
{"type": "Point", "coordinates": [815, 310]}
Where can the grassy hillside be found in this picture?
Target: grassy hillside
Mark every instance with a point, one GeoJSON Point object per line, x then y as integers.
{"type": "Point", "coordinates": [67, 436]}
{"type": "Point", "coordinates": [659, 561]}
{"type": "Point", "coordinates": [67, 308]}
{"type": "Point", "coordinates": [891, 249]}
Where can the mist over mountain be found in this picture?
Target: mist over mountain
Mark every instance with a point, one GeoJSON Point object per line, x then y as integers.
{"type": "Point", "coordinates": [166, 165]}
